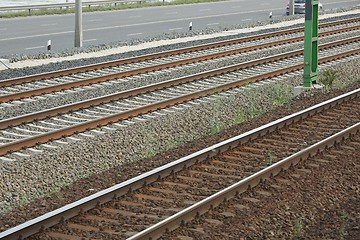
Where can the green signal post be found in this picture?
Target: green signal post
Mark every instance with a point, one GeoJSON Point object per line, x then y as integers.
{"type": "Point", "coordinates": [311, 42]}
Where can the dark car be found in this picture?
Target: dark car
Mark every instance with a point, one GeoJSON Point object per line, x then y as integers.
{"type": "Point", "coordinates": [299, 7]}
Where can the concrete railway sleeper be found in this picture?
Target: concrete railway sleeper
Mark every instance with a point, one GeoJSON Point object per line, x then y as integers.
{"type": "Point", "coordinates": [19, 140]}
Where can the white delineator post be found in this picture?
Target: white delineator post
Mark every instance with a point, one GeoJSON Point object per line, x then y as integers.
{"type": "Point", "coordinates": [49, 45]}
{"type": "Point", "coordinates": [78, 24]}
{"type": "Point", "coordinates": [190, 26]}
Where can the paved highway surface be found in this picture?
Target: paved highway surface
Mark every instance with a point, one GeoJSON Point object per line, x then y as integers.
{"type": "Point", "coordinates": [28, 35]}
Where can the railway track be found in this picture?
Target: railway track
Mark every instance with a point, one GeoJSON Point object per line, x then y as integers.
{"type": "Point", "coordinates": [160, 200]}
{"type": "Point", "coordinates": [86, 117]}
{"type": "Point", "coordinates": [279, 206]}
{"type": "Point", "coordinates": [37, 85]}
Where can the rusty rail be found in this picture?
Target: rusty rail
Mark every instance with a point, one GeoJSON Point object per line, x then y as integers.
{"type": "Point", "coordinates": [15, 81]}
{"type": "Point", "coordinates": [65, 86]}
{"type": "Point", "coordinates": [57, 134]}
{"type": "Point", "coordinates": [175, 221]}
{"type": "Point", "coordinates": [113, 97]}
{"type": "Point", "coordinates": [87, 203]}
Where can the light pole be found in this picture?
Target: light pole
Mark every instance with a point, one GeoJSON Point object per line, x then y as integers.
{"type": "Point", "coordinates": [291, 7]}
{"type": "Point", "coordinates": [78, 24]}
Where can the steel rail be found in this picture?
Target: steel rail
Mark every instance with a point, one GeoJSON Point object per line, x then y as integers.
{"type": "Point", "coordinates": [89, 81]}
{"type": "Point", "coordinates": [171, 83]}
{"type": "Point", "coordinates": [175, 221]}
{"type": "Point", "coordinates": [50, 219]}
{"type": "Point", "coordinates": [31, 78]}
{"type": "Point", "coordinates": [92, 124]}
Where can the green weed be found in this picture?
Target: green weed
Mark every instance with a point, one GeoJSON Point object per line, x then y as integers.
{"type": "Point", "coordinates": [328, 78]}
{"type": "Point", "coordinates": [253, 111]}
{"type": "Point", "coordinates": [342, 226]}
{"type": "Point", "coordinates": [269, 158]}
{"type": "Point", "coordinates": [239, 117]}
{"type": "Point", "coordinates": [298, 227]}
{"type": "Point", "coordinates": [280, 95]}
{"type": "Point", "coordinates": [151, 142]}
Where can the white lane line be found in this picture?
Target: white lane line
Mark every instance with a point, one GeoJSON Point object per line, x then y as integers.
{"type": "Point", "coordinates": [95, 20]}
{"type": "Point", "coordinates": [247, 19]}
{"type": "Point", "coordinates": [30, 48]}
{"type": "Point", "coordinates": [90, 40]}
{"type": "Point", "coordinates": [140, 24]}
{"type": "Point", "coordinates": [264, 4]}
{"type": "Point", "coordinates": [134, 34]}
{"type": "Point", "coordinates": [173, 29]}
{"type": "Point", "coordinates": [136, 16]}
{"type": "Point", "coordinates": [205, 9]}
{"type": "Point", "coordinates": [48, 24]}
{"type": "Point", "coordinates": [211, 24]}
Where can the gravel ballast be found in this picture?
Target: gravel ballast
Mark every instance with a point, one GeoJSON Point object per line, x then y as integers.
{"type": "Point", "coordinates": [28, 179]}
{"type": "Point", "coordinates": [111, 156]}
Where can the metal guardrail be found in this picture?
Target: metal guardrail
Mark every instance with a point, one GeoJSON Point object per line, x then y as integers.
{"type": "Point", "coordinates": [71, 5]}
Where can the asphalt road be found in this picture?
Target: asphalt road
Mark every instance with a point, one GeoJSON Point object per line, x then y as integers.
{"type": "Point", "coordinates": [30, 35]}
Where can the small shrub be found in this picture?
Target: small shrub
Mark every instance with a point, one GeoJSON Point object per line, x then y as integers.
{"type": "Point", "coordinates": [328, 78]}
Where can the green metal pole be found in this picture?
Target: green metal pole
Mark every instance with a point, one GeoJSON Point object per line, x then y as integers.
{"type": "Point", "coordinates": [311, 42]}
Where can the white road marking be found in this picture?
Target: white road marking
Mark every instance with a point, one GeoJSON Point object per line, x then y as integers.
{"type": "Point", "coordinates": [90, 40]}
{"type": "Point", "coordinates": [211, 24]}
{"type": "Point", "coordinates": [134, 34]}
{"type": "Point", "coordinates": [48, 24]}
{"type": "Point", "coordinates": [173, 29]}
{"type": "Point", "coordinates": [138, 24]}
{"type": "Point", "coordinates": [206, 9]}
{"type": "Point", "coordinates": [247, 19]}
{"type": "Point", "coordinates": [95, 20]}
{"type": "Point", "coordinates": [30, 48]}
{"type": "Point", "coordinates": [265, 4]}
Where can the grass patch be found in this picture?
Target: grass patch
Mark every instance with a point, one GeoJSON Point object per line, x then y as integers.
{"type": "Point", "coordinates": [280, 95]}
{"type": "Point", "coordinates": [254, 110]}
{"type": "Point", "coordinates": [119, 6]}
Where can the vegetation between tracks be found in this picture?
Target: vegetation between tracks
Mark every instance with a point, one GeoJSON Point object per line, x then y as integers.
{"type": "Point", "coordinates": [123, 6]}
